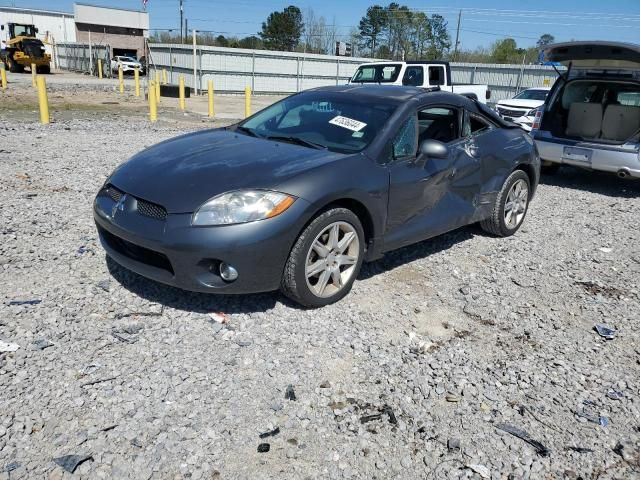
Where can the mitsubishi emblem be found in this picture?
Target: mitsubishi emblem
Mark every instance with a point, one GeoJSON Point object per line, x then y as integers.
{"type": "Point", "coordinates": [119, 206]}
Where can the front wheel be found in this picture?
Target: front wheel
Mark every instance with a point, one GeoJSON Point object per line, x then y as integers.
{"type": "Point", "coordinates": [325, 260]}
{"type": "Point", "coordinates": [510, 207]}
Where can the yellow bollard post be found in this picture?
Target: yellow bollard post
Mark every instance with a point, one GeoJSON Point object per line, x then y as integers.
{"type": "Point", "coordinates": [247, 102]}
{"type": "Point", "coordinates": [100, 68]}
{"type": "Point", "coordinates": [164, 76]}
{"type": "Point", "coordinates": [33, 74]}
{"type": "Point", "coordinates": [136, 76]}
{"type": "Point", "coordinates": [158, 89]}
{"type": "Point", "coordinates": [210, 89]}
{"type": "Point", "coordinates": [43, 100]}
{"type": "Point", "coordinates": [121, 78]}
{"type": "Point", "coordinates": [153, 105]}
{"type": "Point", "coordinates": [3, 78]}
{"type": "Point", "coordinates": [181, 90]}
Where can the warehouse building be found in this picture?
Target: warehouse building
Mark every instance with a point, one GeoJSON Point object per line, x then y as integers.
{"type": "Point", "coordinates": [123, 30]}
{"type": "Point", "coordinates": [51, 25]}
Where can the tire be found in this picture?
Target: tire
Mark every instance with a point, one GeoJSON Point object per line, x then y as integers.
{"type": "Point", "coordinates": [43, 69]}
{"type": "Point", "coordinates": [550, 168]}
{"type": "Point", "coordinates": [316, 246]}
{"type": "Point", "coordinates": [499, 223]}
{"type": "Point", "coordinates": [13, 66]}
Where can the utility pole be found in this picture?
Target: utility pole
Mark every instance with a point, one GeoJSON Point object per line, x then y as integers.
{"type": "Point", "coordinates": [455, 48]}
{"type": "Point", "coordinates": [181, 34]}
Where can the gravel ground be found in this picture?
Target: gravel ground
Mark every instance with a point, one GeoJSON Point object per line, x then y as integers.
{"type": "Point", "coordinates": [414, 375]}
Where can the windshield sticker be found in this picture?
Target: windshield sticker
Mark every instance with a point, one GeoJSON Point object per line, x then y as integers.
{"type": "Point", "coordinates": [357, 134]}
{"type": "Point", "coordinates": [348, 123]}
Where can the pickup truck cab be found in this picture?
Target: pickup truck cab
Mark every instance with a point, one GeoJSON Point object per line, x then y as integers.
{"type": "Point", "coordinates": [591, 118]}
{"type": "Point", "coordinates": [419, 73]}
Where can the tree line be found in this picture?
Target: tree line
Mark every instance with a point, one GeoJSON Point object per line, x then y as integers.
{"type": "Point", "coordinates": [394, 32]}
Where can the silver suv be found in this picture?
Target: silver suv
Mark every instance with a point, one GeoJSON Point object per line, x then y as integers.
{"type": "Point", "coordinates": [591, 118]}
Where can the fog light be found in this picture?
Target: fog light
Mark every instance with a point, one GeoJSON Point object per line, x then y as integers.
{"type": "Point", "coordinates": [227, 272]}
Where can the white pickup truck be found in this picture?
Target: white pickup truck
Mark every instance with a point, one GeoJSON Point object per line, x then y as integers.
{"type": "Point", "coordinates": [419, 73]}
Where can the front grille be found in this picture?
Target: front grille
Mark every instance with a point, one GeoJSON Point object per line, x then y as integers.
{"type": "Point", "coordinates": [510, 112]}
{"type": "Point", "coordinates": [151, 210]}
{"type": "Point", "coordinates": [145, 208]}
{"type": "Point", "coordinates": [136, 252]}
{"type": "Point", "coordinates": [113, 193]}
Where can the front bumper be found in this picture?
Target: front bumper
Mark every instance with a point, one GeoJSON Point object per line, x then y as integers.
{"type": "Point", "coordinates": [173, 252]}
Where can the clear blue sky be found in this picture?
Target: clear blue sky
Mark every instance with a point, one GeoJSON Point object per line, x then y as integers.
{"type": "Point", "coordinates": [482, 23]}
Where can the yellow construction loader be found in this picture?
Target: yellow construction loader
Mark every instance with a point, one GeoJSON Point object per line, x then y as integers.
{"type": "Point", "coordinates": [20, 48]}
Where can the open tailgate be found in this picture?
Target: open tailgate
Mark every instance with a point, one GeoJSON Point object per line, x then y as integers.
{"type": "Point", "coordinates": [596, 54]}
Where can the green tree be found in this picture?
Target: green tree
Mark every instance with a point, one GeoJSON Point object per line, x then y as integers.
{"type": "Point", "coordinates": [222, 41]}
{"type": "Point", "coordinates": [440, 41]}
{"type": "Point", "coordinates": [420, 35]}
{"type": "Point", "coordinates": [250, 42]}
{"type": "Point", "coordinates": [371, 27]}
{"type": "Point", "coordinates": [282, 30]}
{"type": "Point", "coordinates": [504, 51]}
{"type": "Point", "coordinates": [544, 40]}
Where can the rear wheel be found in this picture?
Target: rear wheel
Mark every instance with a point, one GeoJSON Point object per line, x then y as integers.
{"type": "Point", "coordinates": [510, 207]}
{"type": "Point", "coordinates": [325, 260]}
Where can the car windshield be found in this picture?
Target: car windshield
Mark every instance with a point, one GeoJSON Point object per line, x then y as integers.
{"type": "Point", "coordinates": [340, 122]}
{"type": "Point", "coordinates": [532, 95]}
{"type": "Point", "coordinates": [382, 73]}
{"type": "Point", "coordinates": [128, 59]}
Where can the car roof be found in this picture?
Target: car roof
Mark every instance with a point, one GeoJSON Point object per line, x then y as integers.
{"type": "Point", "coordinates": [398, 94]}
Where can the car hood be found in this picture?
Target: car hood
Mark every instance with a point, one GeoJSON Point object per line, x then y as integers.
{"type": "Point", "coordinates": [594, 54]}
{"type": "Point", "coordinates": [517, 103]}
{"type": "Point", "coordinates": [184, 172]}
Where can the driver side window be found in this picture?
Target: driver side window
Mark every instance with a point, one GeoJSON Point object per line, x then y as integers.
{"type": "Point", "coordinates": [405, 142]}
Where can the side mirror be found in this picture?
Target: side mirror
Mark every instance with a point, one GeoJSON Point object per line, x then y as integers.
{"type": "Point", "coordinates": [434, 149]}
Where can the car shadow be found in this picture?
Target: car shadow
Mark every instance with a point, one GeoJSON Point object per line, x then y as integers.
{"type": "Point", "coordinates": [179, 299]}
{"type": "Point", "coordinates": [417, 251]}
{"type": "Point", "coordinates": [592, 181]}
{"type": "Point", "coordinates": [184, 300]}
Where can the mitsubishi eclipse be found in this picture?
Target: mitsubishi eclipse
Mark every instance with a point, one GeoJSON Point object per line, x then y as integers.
{"type": "Point", "coordinates": [297, 196]}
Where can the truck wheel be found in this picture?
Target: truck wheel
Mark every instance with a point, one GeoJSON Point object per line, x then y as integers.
{"type": "Point", "coordinates": [13, 66]}
{"type": "Point", "coordinates": [44, 69]}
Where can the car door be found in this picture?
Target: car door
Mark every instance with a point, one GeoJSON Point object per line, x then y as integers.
{"type": "Point", "coordinates": [429, 196]}
{"type": "Point", "coordinates": [481, 137]}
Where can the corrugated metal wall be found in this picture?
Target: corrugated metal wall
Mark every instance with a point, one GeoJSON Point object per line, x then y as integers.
{"type": "Point", "coordinates": [504, 80]}
{"type": "Point", "coordinates": [75, 57]}
{"type": "Point", "coordinates": [233, 69]}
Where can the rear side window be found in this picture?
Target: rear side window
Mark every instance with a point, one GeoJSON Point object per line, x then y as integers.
{"type": "Point", "coordinates": [631, 99]}
{"type": "Point", "coordinates": [436, 76]}
{"type": "Point", "coordinates": [475, 125]}
{"type": "Point", "coordinates": [413, 76]}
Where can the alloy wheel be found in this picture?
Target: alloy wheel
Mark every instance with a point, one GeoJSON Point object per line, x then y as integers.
{"type": "Point", "coordinates": [332, 259]}
{"type": "Point", "coordinates": [516, 205]}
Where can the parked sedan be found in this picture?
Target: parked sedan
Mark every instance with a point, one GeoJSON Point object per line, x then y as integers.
{"type": "Point", "coordinates": [522, 108]}
{"type": "Point", "coordinates": [297, 196]}
{"type": "Point", "coordinates": [129, 65]}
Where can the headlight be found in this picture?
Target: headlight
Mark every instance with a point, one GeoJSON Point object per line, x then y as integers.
{"type": "Point", "coordinates": [242, 206]}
